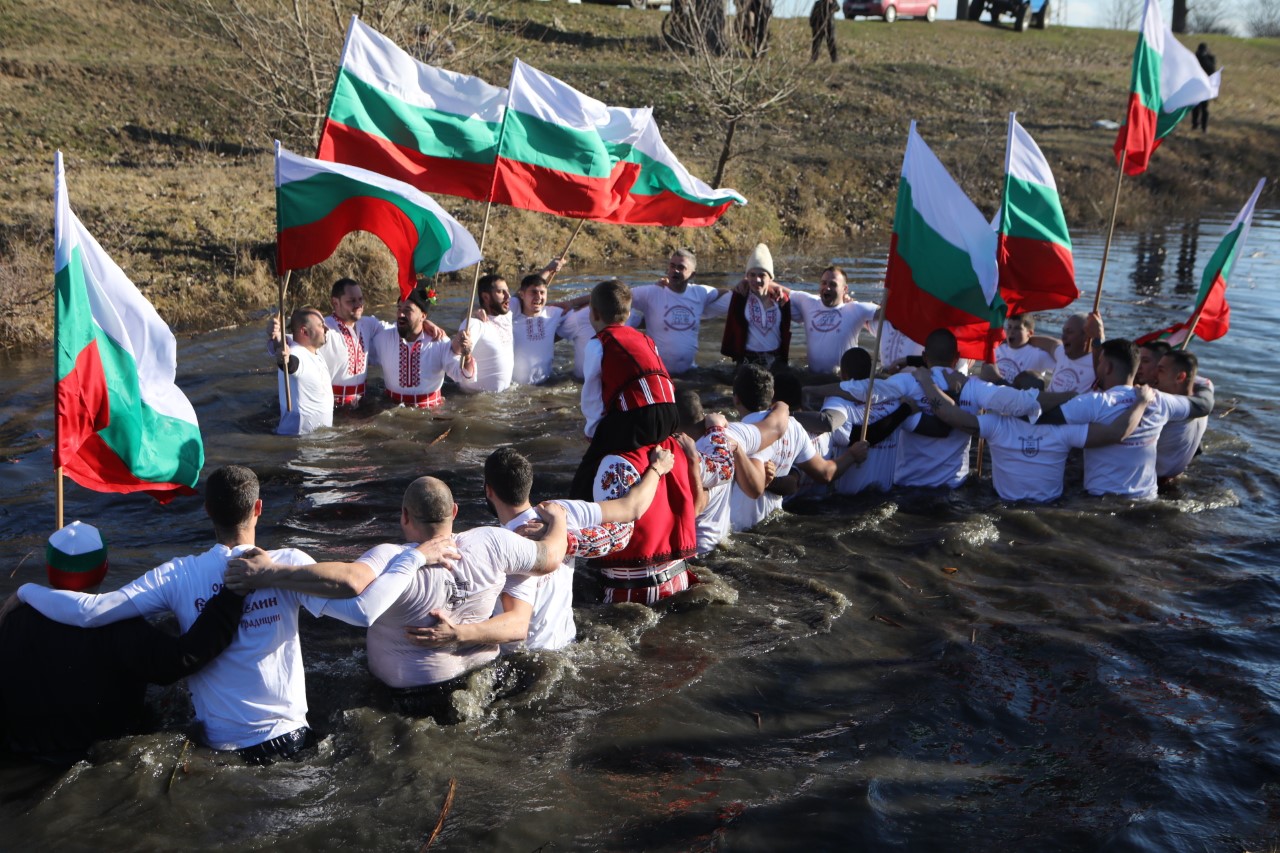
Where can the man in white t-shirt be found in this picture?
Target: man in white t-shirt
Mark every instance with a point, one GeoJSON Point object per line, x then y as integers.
{"type": "Point", "coordinates": [252, 698]}
{"type": "Point", "coordinates": [413, 364]}
{"type": "Point", "coordinates": [1149, 355]}
{"type": "Point", "coordinates": [402, 595]}
{"type": "Point", "coordinates": [1016, 353]}
{"type": "Point", "coordinates": [1073, 356]}
{"type": "Point", "coordinates": [1180, 440]}
{"type": "Point", "coordinates": [309, 404]}
{"type": "Point", "coordinates": [1028, 459]}
{"type": "Point", "coordinates": [831, 320]}
{"type": "Point", "coordinates": [673, 309]}
{"type": "Point", "coordinates": [1127, 469]}
{"type": "Point", "coordinates": [492, 338]}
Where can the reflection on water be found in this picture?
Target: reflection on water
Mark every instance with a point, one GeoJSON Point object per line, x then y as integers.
{"type": "Point", "coordinates": [1092, 674]}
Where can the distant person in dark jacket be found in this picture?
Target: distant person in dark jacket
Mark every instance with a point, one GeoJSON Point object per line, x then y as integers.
{"type": "Point", "coordinates": [823, 26]}
{"type": "Point", "coordinates": [1200, 112]}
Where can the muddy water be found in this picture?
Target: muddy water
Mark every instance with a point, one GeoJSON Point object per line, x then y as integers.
{"type": "Point", "coordinates": [1092, 674]}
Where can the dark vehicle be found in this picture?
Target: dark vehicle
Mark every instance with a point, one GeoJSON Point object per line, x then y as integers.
{"type": "Point", "coordinates": [1025, 13]}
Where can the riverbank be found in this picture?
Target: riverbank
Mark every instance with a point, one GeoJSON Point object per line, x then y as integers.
{"type": "Point", "coordinates": [162, 170]}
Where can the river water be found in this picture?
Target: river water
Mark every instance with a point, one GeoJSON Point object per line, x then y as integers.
{"type": "Point", "coordinates": [1091, 675]}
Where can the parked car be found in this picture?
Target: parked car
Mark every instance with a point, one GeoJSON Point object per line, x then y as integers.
{"type": "Point", "coordinates": [891, 9]}
{"type": "Point", "coordinates": [1025, 13]}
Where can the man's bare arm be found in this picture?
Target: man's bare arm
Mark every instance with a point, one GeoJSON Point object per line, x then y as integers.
{"type": "Point", "coordinates": [509, 626]}
{"type": "Point", "coordinates": [255, 570]}
{"type": "Point", "coordinates": [554, 544]}
{"type": "Point", "coordinates": [943, 406]}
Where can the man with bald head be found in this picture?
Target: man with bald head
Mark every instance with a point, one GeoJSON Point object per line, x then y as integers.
{"type": "Point", "coordinates": [1073, 359]}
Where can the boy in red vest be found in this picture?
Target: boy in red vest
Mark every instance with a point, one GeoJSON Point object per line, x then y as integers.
{"type": "Point", "coordinates": [629, 404]}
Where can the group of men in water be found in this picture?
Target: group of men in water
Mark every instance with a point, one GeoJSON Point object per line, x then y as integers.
{"type": "Point", "coordinates": [660, 483]}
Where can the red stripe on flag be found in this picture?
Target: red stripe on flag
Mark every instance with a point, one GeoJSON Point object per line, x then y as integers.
{"type": "Point", "coordinates": [1035, 275]}
{"type": "Point", "coordinates": [916, 313]}
{"type": "Point", "coordinates": [97, 467]}
{"type": "Point", "coordinates": [1215, 316]}
{"type": "Point", "coordinates": [666, 209]}
{"type": "Point", "coordinates": [307, 245]}
{"type": "Point", "coordinates": [531, 187]}
{"type": "Point", "coordinates": [443, 175]}
{"type": "Point", "coordinates": [1137, 137]}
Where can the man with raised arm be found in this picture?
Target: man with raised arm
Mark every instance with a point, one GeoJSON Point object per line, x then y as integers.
{"type": "Point", "coordinates": [492, 338]}
{"type": "Point", "coordinates": [832, 321]}
{"type": "Point", "coordinates": [673, 310]}
{"type": "Point", "coordinates": [535, 325]}
{"type": "Point", "coordinates": [309, 405]}
{"type": "Point", "coordinates": [1073, 356]}
{"type": "Point", "coordinates": [413, 364]}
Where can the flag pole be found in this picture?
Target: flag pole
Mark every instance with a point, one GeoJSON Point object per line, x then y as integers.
{"type": "Point", "coordinates": [1106, 250]}
{"type": "Point", "coordinates": [1191, 330]}
{"type": "Point", "coordinates": [57, 498]}
{"type": "Point", "coordinates": [288, 392]}
{"type": "Point", "coordinates": [475, 281]}
{"type": "Point", "coordinates": [565, 253]}
{"type": "Point", "coordinates": [875, 368]}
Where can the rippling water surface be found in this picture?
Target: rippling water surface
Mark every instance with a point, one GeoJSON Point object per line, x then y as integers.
{"type": "Point", "coordinates": [1091, 675]}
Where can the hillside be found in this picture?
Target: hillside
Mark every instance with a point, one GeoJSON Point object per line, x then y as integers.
{"type": "Point", "coordinates": [170, 169]}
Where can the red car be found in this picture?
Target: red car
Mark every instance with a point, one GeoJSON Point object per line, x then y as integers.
{"type": "Point", "coordinates": [891, 9]}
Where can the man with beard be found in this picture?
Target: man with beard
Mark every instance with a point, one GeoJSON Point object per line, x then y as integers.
{"type": "Point", "coordinates": [304, 369]}
{"type": "Point", "coordinates": [831, 320]}
{"type": "Point", "coordinates": [673, 309]}
{"type": "Point", "coordinates": [1149, 357]}
{"type": "Point", "coordinates": [413, 365]}
{"type": "Point", "coordinates": [491, 337]}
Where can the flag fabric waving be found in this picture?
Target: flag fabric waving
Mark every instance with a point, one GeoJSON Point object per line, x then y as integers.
{"type": "Point", "coordinates": [557, 152]}
{"type": "Point", "coordinates": [942, 259]}
{"type": "Point", "coordinates": [319, 203]}
{"type": "Point", "coordinates": [1211, 318]}
{"type": "Point", "coordinates": [1167, 81]}
{"type": "Point", "coordinates": [122, 423]}
{"type": "Point", "coordinates": [428, 127]}
{"type": "Point", "coordinates": [1037, 272]}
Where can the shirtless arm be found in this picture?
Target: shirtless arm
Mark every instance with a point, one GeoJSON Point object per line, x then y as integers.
{"type": "Point", "coordinates": [254, 570]}
{"type": "Point", "coordinates": [509, 626]}
{"type": "Point", "coordinates": [1045, 342]}
{"type": "Point", "coordinates": [554, 544]}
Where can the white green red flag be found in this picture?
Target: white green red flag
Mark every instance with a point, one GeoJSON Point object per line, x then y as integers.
{"type": "Point", "coordinates": [1037, 272]}
{"type": "Point", "coordinates": [1167, 81]}
{"type": "Point", "coordinates": [942, 259]}
{"type": "Point", "coordinates": [1211, 317]}
{"type": "Point", "coordinates": [422, 125]}
{"type": "Point", "coordinates": [122, 423]}
{"type": "Point", "coordinates": [319, 203]}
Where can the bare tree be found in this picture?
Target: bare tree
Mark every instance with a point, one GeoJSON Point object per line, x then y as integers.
{"type": "Point", "coordinates": [1210, 16]}
{"type": "Point", "coordinates": [284, 53]}
{"type": "Point", "coordinates": [1179, 22]}
{"type": "Point", "coordinates": [731, 81]}
{"type": "Point", "coordinates": [1122, 14]}
{"type": "Point", "coordinates": [1264, 19]}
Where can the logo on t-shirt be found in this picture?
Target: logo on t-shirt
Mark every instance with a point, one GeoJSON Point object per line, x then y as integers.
{"type": "Point", "coordinates": [1008, 368]}
{"type": "Point", "coordinates": [679, 318]}
{"type": "Point", "coordinates": [459, 589]}
{"type": "Point", "coordinates": [1030, 446]}
{"type": "Point", "coordinates": [827, 320]}
{"type": "Point", "coordinates": [1066, 379]}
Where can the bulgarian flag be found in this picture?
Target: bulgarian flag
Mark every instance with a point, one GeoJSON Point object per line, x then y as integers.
{"type": "Point", "coordinates": [1167, 82]}
{"type": "Point", "coordinates": [422, 125]}
{"type": "Point", "coordinates": [942, 259]}
{"type": "Point", "coordinates": [122, 424]}
{"type": "Point", "coordinates": [1211, 318]}
{"type": "Point", "coordinates": [665, 193]}
{"type": "Point", "coordinates": [319, 203]}
{"type": "Point", "coordinates": [558, 151]}
{"type": "Point", "coordinates": [1037, 272]}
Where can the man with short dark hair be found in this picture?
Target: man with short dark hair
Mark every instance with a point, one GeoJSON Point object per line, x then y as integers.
{"type": "Point", "coordinates": [251, 698]}
{"type": "Point", "coordinates": [413, 364]}
{"type": "Point", "coordinates": [1149, 355]}
{"type": "Point", "coordinates": [674, 308]}
{"type": "Point", "coordinates": [535, 325]}
{"type": "Point", "coordinates": [302, 366]}
{"type": "Point", "coordinates": [832, 321]}
{"type": "Point", "coordinates": [491, 337]}
{"type": "Point", "coordinates": [1178, 373]}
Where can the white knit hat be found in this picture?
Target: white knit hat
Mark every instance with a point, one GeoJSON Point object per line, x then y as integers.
{"type": "Point", "coordinates": [761, 258]}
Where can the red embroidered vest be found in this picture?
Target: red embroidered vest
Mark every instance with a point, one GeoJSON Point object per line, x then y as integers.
{"type": "Point", "coordinates": [668, 529]}
{"type": "Point", "coordinates": [632, 374]}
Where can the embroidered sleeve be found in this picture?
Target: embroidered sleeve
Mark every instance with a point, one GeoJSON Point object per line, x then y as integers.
{"type": "Point", "coordinates": [717, 465]}
{"type": "Point", "coordinates": [615, 479]}
{"type": "Point", "coordinates": [597, 541]}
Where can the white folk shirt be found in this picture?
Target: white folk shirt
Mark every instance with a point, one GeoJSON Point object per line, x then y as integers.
{"type": "Point", "coordinates": [1027, 460]}
{"type": "Point", "coordinates": [466, 594]}
{"type": "Point", "coordinates": [876, 472]}
{"type": "Point", "coordinates": [1010, 361]}
{"type": "Point", "coordinates": [764, 324]}
{"type": "Point", "coordinates": [415, 367]}
{"type": "Point", "coordinates": [312, 394]}
{"type": "Point", "coordinates": [493, 348]}
{"type": "Point", "coordinates": [1071, 374]}
{"type": "Point", "coordinates": [1128, 468]}
{"type": "Point", "coordinates": [254, 691]}
{"type": "Point", "coordinates": [717, 478]}
{"type": "Point", "coordinates": [792, 448]}
{"type": "Point", "coordinates": [347, 350]}
{"type": "Point", "coordinates": [830, 331]}
{"type": "Point", "coordinates": [1179, 441]}
{"type": "Point", "coordinates": [534, 339]}
{"type": "Point", "coordinates": [577, 327]}
{"type": "Point", "coordinates": [673, 319]}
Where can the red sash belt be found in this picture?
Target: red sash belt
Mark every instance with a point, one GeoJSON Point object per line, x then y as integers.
{"type": "Point", "coordinates": [418, 401]}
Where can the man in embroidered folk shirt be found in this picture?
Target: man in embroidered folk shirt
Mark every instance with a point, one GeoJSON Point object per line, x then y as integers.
{"type": "Point", "coordinates": [309, 405]}
{"type": "Point", "coordinates": [673, 309]}
{"type": "Point", "coordinates": [492, 338]}
{"type": "Point", "coordinates": [413, 365]}
{"type": "Point", "coordinates": [535, 325]}
{"type": "Point", "coordinates": [757, 329]}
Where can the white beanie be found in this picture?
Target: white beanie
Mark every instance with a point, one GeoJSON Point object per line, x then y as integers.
{"type": "Point", "coordinates": [761, 259]}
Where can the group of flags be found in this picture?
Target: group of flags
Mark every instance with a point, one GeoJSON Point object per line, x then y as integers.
{"type": "Point", "coordinates": [398, 129]}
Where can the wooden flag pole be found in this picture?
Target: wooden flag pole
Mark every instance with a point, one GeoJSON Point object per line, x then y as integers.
{"type": "Point", "coordinates": [475, 282]}
{"type": "Point", "coordinates": [288, 392]}
{"type": "Point", "coordinates": [875, 368]}
{"type": "Point", "coordinates": [1106, 250]}
{"type": "Point", "coordinates": [565, 253]}
{"type": "Point", "coordinates": [57, 498]}
{"type": "Point", "coordinates": [1191, 330]}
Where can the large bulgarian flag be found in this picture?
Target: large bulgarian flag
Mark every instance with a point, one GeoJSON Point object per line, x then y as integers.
{"type": "Point", "coordinates": [122, 423]}
{"type": "Point", "coordinates": [1211, 317]}
{"type": "Point", "coordinates": [942, 259]}
{"type": "Point", "coordinates": [1037, 272]}
{"type": "Point", "coordinates": [1167, 81]}
{"type": "Point", "coordinates": [434, 129]}
{"type": "Point", "coordinates": [558, 152]}
{"type": "Point", "coordinates": [319, 203]}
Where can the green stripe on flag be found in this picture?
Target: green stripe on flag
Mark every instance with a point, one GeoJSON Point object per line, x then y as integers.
{"type": "Point", "coordinates": [74, 316]}
{"type": "Point", "coordinates": [1224, 258]}
{"type": "Point", "coordinates": [657, 177]}
{"type": "Point", "coordinates": [1166, 122]}
{"type": "Point", "coordinates": [532, 140]}
{"type": "Point", "coordinates": [358, 105]}
{"type": "Point", "coordinates": [1032, 211]}
{"type": "Point", "coordinates": [1146, 75]}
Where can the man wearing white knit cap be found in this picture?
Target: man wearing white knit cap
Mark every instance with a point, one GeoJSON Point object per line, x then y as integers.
{"type": "Point", "coordinates": [758, 327]}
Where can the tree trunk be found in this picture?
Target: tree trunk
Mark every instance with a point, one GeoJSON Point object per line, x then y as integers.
{"type": "Point", "coordinates": [725, 152]}
{"type": "Point", "coordinates": [1179, 24]}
